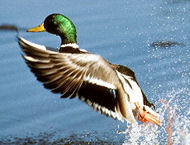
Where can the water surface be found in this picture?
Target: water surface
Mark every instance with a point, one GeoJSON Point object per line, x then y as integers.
{"type": "Point", "coordinates": [122, 32]}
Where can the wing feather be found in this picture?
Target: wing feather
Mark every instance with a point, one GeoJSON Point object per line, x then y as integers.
{"type": "Point", "coordinates": [87, 75]}
{"type": "Point", "coordinates": [62, 72]}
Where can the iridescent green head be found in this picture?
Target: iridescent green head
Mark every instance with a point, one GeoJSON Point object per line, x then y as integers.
{"type": "Point", "coordinates": [60, 25]}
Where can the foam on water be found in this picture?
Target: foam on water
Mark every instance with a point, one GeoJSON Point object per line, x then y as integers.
{"type": "Point", "coordinates": [175, 117]}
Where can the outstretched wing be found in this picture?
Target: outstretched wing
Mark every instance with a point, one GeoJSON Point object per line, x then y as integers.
{"type": "Point", "coordinates": [87, 75]}
{"type": "Point", "coordinates": [130, 79]}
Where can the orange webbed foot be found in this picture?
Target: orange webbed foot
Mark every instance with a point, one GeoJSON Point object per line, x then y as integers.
{"type": "Point", "coordinates": [145, 116]}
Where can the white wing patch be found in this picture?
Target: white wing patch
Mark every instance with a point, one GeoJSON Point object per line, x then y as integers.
{"type": "Point", "coordinates": [135, 93]}
{"type": "Point", "coordinates": [99, 82]}
{"type": "Point", "coordinates": [102, 109]}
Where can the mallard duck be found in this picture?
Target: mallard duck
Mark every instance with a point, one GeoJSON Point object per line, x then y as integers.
{"type": "Point", "coordinates": [108, 88]}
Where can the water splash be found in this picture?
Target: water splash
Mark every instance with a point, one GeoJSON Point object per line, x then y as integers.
{"type": "Point", "coordinates": [175, 117]}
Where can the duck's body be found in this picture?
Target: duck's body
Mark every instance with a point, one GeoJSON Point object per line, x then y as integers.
{"type": "Point", "coordinates": [108, 88]}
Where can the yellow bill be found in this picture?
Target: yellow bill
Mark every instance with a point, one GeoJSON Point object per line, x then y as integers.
{"type": "Point", "coordinates": [39, 28]}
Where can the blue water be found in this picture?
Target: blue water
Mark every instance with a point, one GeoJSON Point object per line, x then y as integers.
{"type": "Point", "coordinates": [122, 32]}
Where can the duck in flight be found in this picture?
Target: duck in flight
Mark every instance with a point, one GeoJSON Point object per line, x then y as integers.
{"type": "Point", "coordinates": [108, 88]}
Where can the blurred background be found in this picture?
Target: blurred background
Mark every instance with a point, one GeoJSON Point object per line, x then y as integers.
{"type": "Point", "coordinates": [149, 36]}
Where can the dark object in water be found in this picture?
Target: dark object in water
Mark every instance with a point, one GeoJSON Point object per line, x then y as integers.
{"type": "Point", "coordinates": [165, 44]}
{"type": "Point", "coordinates": [8, 27]}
